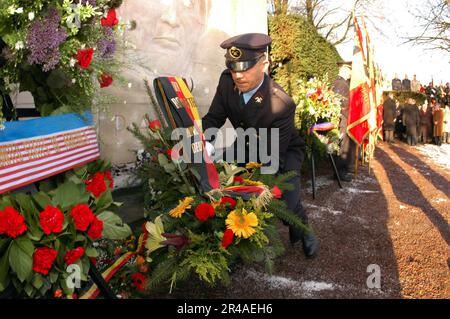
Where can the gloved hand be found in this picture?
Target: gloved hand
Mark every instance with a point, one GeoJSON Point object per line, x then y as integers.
{"type": "Point", "coordinates": [210, 149]}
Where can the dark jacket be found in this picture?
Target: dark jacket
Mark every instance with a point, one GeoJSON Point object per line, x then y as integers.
{"type": "Point", "coordinates": [411, 119]}
{"type": "Point", "coordinates": [396, 84]}
{"type": "Point", "coordinates": [341, 86]}
{"type": "Point", "coordinates": [406, 85]}
{"type": "Point", "coordinates": [269, 107]}
{"type": "Point", "coordinates": [389, 114]}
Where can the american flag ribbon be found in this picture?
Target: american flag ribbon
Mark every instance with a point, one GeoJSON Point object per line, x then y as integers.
{"type": "Point", "coordinates": [36, 149]}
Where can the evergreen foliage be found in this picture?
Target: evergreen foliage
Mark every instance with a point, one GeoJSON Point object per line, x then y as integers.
{"type": "Point", "coordinates": [299, 52]}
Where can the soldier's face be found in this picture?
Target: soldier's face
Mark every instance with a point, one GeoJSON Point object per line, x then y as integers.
{"type": "Point", "coordinates": [247, 80]}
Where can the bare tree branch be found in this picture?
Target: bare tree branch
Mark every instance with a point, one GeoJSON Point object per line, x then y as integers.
{"type": "Point", "coordinates": [435, 34]}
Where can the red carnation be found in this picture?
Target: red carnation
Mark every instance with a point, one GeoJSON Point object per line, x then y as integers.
{"type": "Point", "coordinates": [82, 216]}
{"type": "Point", "coordinates": [105, 80]}
{"type": "Point", "coordinates": [155, 125]}
{"type": "Point", "coordinates": [173, 154]}
{"type": "Point", "coordinates": [110, 20]}
{"type": "Point", "coordinates": [43, 258]}
{"type": "Point", "coordinates": [96, 229]}
{"type": "Point", "coordinates": [84, 57]}
{"type": "Point", "coordinates": [204, 211]}
{"type": "Point", "coordinates": [73, 255]}
{"type": "Point", "coordinates": [238, 179]}
{"type": "Point", "coordinates": [227, 239]}
{"type": "Point", "coordinates": [276, 192]}
{"type": "Point", "coordinates": [12, 223]}
{"type": "Point", "coordinates": [96, 184]}
{"type": "Point", "coordinates": [108, 175]}
{"type": "Point", "coordinates": [228, 200]}
{"type": "Point", "coordinates": [51, 219]}
{"type": "Point", "coordinates": [139, 281]}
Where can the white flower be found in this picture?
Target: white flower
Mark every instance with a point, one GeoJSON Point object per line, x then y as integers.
{"type": "Point", "coordinates": [311, 110]}
{"type": "Point", "coordinates": [11, 9]}
{"type": "Point", "coordinates": [130, 85]}
{"type": "Point", "coordinates": [74, 80]}
{"type": "Point", "coordinates": [19, 10]}
{"type": "Point", "coordinates": [72, 62]}
{"type": "Point", "coordinates": [31, 16]}
{"type": "Point", "coordinates": [19, 45]}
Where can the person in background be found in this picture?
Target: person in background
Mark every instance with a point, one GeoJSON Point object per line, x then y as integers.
{"type": "Point", "coordinates": [411, 121]}
{"type": "Point", "coordinates": [447, 124]}
{"type": "Point", "coordinates": [438, 121]}
{"type": "Point", "coordinates": [396, 83]}
{"type": "Point", "coordinates": [415, 85]}
{"type": "Point", "coordinates": [431, 91]}
{"type": "Point", "coordinates": [347, 150]}
{"type": "Point", "coordinates": [426, 119]}
{"type": "Point", "coordinates": [389, 115]}
{"type": "Point", "coordinates": [406, 84]}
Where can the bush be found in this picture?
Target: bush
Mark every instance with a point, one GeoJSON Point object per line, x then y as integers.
{"type": "Point", "coordinates": [299, 51]}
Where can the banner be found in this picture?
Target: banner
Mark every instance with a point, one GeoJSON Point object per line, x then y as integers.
{"type": "Point", "coordinates": [36, 149]}
{"type": "Point", "coordinates": [180, 111]}
{"type": "Point", "coordinates": [361, 94]}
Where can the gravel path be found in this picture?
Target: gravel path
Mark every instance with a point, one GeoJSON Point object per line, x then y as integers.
{"type": "Point", "coordinates": [394, 220]}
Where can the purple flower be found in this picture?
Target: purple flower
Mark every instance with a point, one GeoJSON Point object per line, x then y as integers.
{"type": "Point", "coordinates": [43, 40]}
{"type": "Point", "coordinates": [106, 46]}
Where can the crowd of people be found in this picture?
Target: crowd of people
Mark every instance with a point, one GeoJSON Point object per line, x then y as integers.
{"type": "Point", "coordinates": [418, 122]}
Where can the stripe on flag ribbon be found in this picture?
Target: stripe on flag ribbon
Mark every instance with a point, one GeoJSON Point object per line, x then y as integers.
{"type": "Point", "coordinates": [36, 149]}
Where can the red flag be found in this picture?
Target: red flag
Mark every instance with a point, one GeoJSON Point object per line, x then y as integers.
{"type": "Point", "coordinates": [360, 90]}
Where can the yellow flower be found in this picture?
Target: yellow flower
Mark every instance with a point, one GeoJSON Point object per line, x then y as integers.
{"type": "Point", "coordinates": [181, 208]}
{"type": "Point", "coordinates": [242, 223]}
{"type": "Point", "coordinates": [252, 165]}
{"type": "Point", "coordinates": [252, 183]}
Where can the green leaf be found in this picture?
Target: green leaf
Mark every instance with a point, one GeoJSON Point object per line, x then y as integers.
{"type": "Point", "coordinates": [104, 201]}
{"type": "Point", "coordinates": [91, 252]}
{"type": "Point", "coordinates": [29, 289]}
{"type": "Point", "coordinates": [53, 276]}
{"type": "Point", "coordinates": [70, 194]}
{"type": "Point", "coordinates": [37, 281]}
{"type": "Point", "coordinates": [27, 205]}
{"type": "Point", "coordinates": [113, 226]}
{"type": "Point", "coordinates": [162, 159]}
{"type": "Point", "coordinates": [4, 270]}
{"type": "Point", "coordinates": [80, 171]}
{"type": "Point", "coordinates": [4, 243]}
{"type": "Point", "coordinates": [42, 199]}
{"type": "Point", "coordinates": [4, 202]}
{"type": "Point", "coordinates": [21, 257]}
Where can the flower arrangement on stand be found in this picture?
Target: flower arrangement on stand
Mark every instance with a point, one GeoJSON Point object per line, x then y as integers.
{"type": "Point", "coordinates": [205, 234]}
{"type": "Point", "coordinates": [317, 103]}
{"type": "Point", "coordinates": [47, 235]}
{"type": "Point", "coordinates": [60, 50]}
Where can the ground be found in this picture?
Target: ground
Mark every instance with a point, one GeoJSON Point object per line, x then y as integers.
{"type": "Point", "coordinates": [393, 218]}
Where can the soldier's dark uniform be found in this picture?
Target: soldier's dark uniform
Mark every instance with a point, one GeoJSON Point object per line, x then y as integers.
{"type": "Point", "coordinates": [347, 147]}
{"type": "Point", "coordinates": [269, 107]}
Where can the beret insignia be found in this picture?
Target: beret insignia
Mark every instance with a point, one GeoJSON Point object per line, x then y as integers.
{"type": "Point", "coordinates": [235, 53]}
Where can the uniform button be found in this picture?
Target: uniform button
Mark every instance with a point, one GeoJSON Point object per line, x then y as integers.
{"type": "Point", "coordinates": [241, 124]}
{"type": "Point", "coordinates": [246, 143]}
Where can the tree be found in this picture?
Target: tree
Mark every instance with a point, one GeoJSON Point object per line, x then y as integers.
{"type": "Point", "coordinates": [434, 19]}
{"type": "Point", "coordinates": [333, 19]}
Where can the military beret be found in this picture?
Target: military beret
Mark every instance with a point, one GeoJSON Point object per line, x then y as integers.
{"type": "Point", "coordinates": [244, 51]}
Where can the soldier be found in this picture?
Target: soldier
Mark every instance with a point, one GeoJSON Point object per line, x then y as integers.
{"type": "Point", "coordinates": [406, 84]}
{"type": "Point", "coordinates": [347, 146]}
{"type": "Point", "coordinates": [249, 98]}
